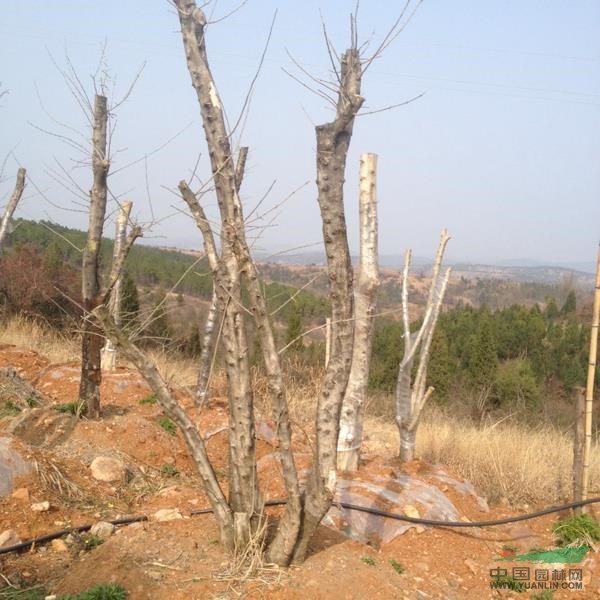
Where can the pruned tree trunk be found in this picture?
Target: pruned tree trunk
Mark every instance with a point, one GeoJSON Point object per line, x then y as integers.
{"type": "Point", "coordinates": [333, 141]}
{"type": "Point", "coordinates": [92, 340]}
{"type": "Point", "coordinates": [578, 443]}
{"type": "Point", "coordinates": [192, 437]}
{"type": "Point", "coordinates": [327, 340]}
{"type": "Point", "coordinates": [109, 354]}
{"type": "Point", "coordinates": [244, 496]}
{"type": "Point", "coordinates": [411, 395]}
{"type": "Point", "coordinates": [589, 388]}
{"type": "Point", "coordinates": [11, 206]}
{"type": "Point", "coordinates": [352, 415]}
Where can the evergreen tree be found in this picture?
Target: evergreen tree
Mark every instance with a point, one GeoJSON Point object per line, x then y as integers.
{"type": "Point", "coordinates": [482, 358]}
{"type": "Point", "coordinates": [294, 328]}
{"type": "Point", "coordinates": [570, 304]}
{"type": "Point", "coordinates": [130, 301]}
{"type": "Point", "coordinates": [439, 371]}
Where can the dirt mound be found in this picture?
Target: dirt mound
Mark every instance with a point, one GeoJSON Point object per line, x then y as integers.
{"type": "Point", "coordinates": [359, 556]}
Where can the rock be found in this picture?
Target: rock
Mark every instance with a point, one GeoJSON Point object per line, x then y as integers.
{"type": "Point", "coordinates": [105, 468]}
{"type": "Point", "coordinates": [12, 464]}
{"type": "Point", "coordinates": [103, 529]}
{"type": "Point", "coordinates": [41, 506]}
{"type": "Point", "coordinates": [21, 494]}
{"type": "Point", "coordinates": [167, 514]}
{"type": "Point", "coordinates": [9, 538]}
{"type": "Point", "coordinates": [471, 565]}
{"type": "Point", "coordinates": [59, 546]}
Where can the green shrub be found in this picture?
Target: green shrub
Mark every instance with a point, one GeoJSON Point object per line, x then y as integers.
{"type": "Point", "coordinates": [579, 530]}
{"type": "Point", "coordinates": [10, 409]}
{"type": "Point", "coordinates": [91, 541]}
{"type": "Point", "coordinates": [397, 566]}
{"type": "Point", "coordinates": [73, 408]}
{"type": "Point", "coordinates": [102, 591]}
{"type": "Point", "coordinates": [368, 560]}
{"type": "Point", "coordinates": [151, 399]}
{"type": "Point", "coordinates": [168, 425]}
{"type": "Point", "coordinates": [34, 593]}
{"type": "Point", "coordinates": [545, 595]}
{"type": "Point", "coordinates": [169, 469]}
{"type": "Point", "coordinates": [516, 384]}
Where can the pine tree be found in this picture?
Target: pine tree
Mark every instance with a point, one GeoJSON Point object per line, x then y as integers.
{"type": "Point", "coordinates": [570, 304]}
{"type": "Point", "coordinates": [440, 366]}
{"type": "Point", "coordinates": [294, 329]}
{"type": "Point", "coordinates": [482, 362]}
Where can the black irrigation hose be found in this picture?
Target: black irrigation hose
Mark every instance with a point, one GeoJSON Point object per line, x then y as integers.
{"type": "Point", "coordinates": [365, 509]}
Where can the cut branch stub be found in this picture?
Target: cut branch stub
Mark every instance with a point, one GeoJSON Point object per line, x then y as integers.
{"type": "Point", "coordinates": [352, 415]}
{"type": "Point", "coordinates": [11, 206]}
{"type": "Point", "coordinates": [412, 395]}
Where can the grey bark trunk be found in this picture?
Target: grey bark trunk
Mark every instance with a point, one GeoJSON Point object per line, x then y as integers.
{"type": "Point", "coordinates": [244, 494]}
{"type": "Point", "coordinates": [109, 353]}
{"type": "Point", "coordinates": [11, 206]}
{"type": "Point", "coordinates": [333, 141]}
{"type": "Point", "coordinates": [352, 415]}
{"type": "Point", "coordinates": [92, 340]}
{"type": "Point", "coordinates": [411, 396]}
{"type": "Point", "coordinates": [192, 437]}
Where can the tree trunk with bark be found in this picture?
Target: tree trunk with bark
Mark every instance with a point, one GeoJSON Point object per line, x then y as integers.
{"type": "Point", "coordinates": [244, 494]}
{"type": "Point", "coordinates": [589, 388]}
{"type": "Point", "coordinates": [11, 206]}
{"type": "Point", "coordinates": [333, 142]}
{"type": "Point", "coordinates": [411, 395]}
{"type": "Point", "coordinates": [352, 416]}
{"type": "Point", "coordinates": [92, 339]}
{"type": "Point", "coordinates": [109, 353]}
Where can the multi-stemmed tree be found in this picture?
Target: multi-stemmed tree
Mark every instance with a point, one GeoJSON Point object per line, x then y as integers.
{"type": "Point", "coordinates": [240, 513]}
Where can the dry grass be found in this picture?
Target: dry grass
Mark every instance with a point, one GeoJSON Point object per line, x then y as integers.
{"type": "Point", "coordinates": [29, 333]}
{"type": "Point", "coordinates": [507, 463]}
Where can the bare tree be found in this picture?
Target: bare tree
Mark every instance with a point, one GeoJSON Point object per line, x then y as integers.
{"type": "Point", "coordinates": [352, 416]}
{"type": "Point", "coordinates": [91, 340]}
{"type": "Point", "coordinates": [412, 393]}
{"type": "Point", "coordinates": [589, 388]}
{"type": "Point", "coordinates": [109, 354]}
{"type": "Point", "coordinates": [231, 264]}
{"type": "Point", "coordinates": [11, 206]}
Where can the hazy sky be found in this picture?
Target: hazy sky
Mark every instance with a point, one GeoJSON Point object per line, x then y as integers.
{"type": "Point", "coordinates": [503, 149]}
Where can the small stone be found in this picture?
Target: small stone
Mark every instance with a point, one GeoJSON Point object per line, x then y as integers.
{"type": "Point", "coordinates": [411, 511]}
{"type": "Point", "coordinates": [103, 529]}
{"type": "Point", "coordinates": [41, 506]}
{"type": "Point", "coordinates": [471, 565]}
{"type": "Point", "coordinates": [167, 514]}
{"type": "Point", "coordinates": [9, 538]}
{"type": "Point", "coordinates": [105, 468]}
{"type": "Point", "coordinates": [21, 494]}
{"type": "Point", "coordinates": [59, 546]}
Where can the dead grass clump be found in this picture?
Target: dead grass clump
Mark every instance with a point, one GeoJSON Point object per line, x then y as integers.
{"type": "Point", "coordinates": [46, 341]}
{"type": "Point", "coordinates": [248, 564]}
{"type": "Point", "coordinates": [508, 462]}
{"type": "Point", "coordinates": [52, 478]}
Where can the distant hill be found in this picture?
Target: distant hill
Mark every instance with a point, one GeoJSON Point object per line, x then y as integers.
{"type": "Point", "coordinates": [521, 270]}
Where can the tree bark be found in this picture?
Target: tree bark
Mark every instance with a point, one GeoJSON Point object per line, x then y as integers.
{"type": "Point", "coordinates": [589, 389]}
{"type": "Point", "coordinates": [411, 396]}
{"type": "Point", "coordinates": [243, 490]}
{"type": "Point", "coordinates": [578, 444]}
{"type": "Point", "coordinates": [333, 141]}
{"type": "Point", "coordinates": [109, 354]}
{"type": "Point", "coordinates": [352, 416]}
{"type": "Point", "coordinates": [191, 435]}
{"type": "Point", "coordinates": [11, 206]}
{"type": "Point", "coordinates": [92, 340]}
